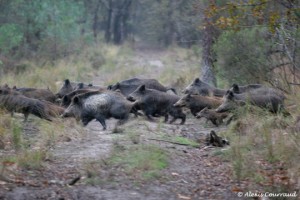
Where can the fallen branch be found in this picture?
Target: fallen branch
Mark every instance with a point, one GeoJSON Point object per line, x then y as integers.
{"type": "Point", "coordinates": [178, 143]}
{"type": "Point", "coordinates": [75, 180]}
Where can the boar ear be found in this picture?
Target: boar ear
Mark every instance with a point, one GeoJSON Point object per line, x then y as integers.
{"type": "Point", "coordinates": [109, 87]}
{"type": "Point", "coordinates": [197, 80]}
{"type": "Point", "coordinates": [80, 85]}
{"type": "Point", "coordinates": [67, 82]}
{"type": "Point", "coordinates": [235, 88]}
{"type": "Point", "coordinates": [230, 95]}
{"type": "Point", "coordinates": [14, 88]}
{"type": "Point", "coordinates": [142, 88]}
{"type": "Point", "coordinates": [117, 85]}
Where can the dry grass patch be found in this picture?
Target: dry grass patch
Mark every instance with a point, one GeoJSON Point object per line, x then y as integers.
{"type": "Point", "coordinates": [264, 149]}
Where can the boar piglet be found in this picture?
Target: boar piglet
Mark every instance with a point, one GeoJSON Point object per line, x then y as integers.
{"type": "Point", "coordinates": [232, 101]}
{"type": "Point", "coordinates": [13, 101]}
{"type": "Point", "coordinates": [156, 103]}
{"type": "Point", "coordinates": [212, 115]}
{"type": "Point", "coordinates": [89, 106]}
{"type": "Point", "coordinates": [197, 102]}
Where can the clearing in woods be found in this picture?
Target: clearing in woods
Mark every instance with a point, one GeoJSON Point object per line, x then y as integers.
{"type": "Point", "coordinates": [98, 164]}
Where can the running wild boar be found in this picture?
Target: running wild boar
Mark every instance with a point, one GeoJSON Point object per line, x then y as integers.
{"type": "Point", "coordinates": [212, 115]}
{"type": "Point", "coordinates": [231, 101]}
{"type": "Point", "coordinates": [197, 102]}
{"type": "Point", "coordinates": [156, 103]}
{"type": "Point", "coordinates": [91, 105]}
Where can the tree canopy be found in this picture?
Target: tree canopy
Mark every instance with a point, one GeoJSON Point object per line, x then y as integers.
{"type": "Point", "coordinates": [260, 36]}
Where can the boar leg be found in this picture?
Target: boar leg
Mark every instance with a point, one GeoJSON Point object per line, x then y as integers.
{"type": "Point", "coordinates": [167, 118]}
{"type": "Point", "coordinates": [173, 120]}
{"type": "Point", "coordinates": [102, 121]}
{"type": "Point", "coordinates": [183, 117]}
{"type": "Point", "coordinates": [214, 121]}
{"type": "Point", "coordinates": [26, 114]}
{"type": "Point", "coordinates": [194, 113]}
{"type": "Point", "coordinates": [148, 115]}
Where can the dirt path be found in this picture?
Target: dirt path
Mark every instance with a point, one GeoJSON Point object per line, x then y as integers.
{"type": "Point", "coordinates": [193, 173]}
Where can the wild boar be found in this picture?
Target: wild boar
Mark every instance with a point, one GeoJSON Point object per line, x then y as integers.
{"type": "Point", "coordinates": [69, 86]}
{"type": "Point", "coordinates": [35, 93]}
{"type": "Point", "coordinates": [91, 105]}
{"type": "Point", "coordinates": [197, 102]}
{"type": "Point", "coordinates": [269, 101]}
{"type": "Point", "coordinates": [12, 101]}
{"type": "Point", "coordinates": [157, 103]}
{"type": "Point", "coordinates": [53, 110]}
{"type": "Point", "coordinates": [66, 88]}
{"type": "Point", "coordinates": [246, 88]}
{"type": "Point", "coordinates": [66, 100]}
{"type": "Point", "coordinates": [198, 87]}
{"type": "Point", "coordinates": [126, 87]}
{"type": "Point", "coordinates": [212, 115]}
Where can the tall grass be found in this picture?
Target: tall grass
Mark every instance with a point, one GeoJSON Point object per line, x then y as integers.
{"type": "Point", "coordinates": [263, 149]}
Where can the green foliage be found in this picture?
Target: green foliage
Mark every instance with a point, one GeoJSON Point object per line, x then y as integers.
{"type": "Point", "coordinates": [10, 37]}
{"type": "Point", "coordinates": [245, 58]}
{"type": "Point", "coordinates": [45, 25]}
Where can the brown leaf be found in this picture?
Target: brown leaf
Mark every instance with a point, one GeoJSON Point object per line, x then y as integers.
{"type": "Point", "coordinates": [236, 189]}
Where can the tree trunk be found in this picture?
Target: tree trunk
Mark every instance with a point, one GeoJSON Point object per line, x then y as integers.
{"type": "Point", "coordinates": [108, 22]}
{"type": "Point", "coordinates": [95, 20]}
{"type": "Point", "coordinates": [208, 57]}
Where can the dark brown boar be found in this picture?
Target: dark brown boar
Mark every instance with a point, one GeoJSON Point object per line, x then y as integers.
{"type": "Point", "coordinates": [15, 102]}
{"type": "Point", "coordinates": [126, 87]}
{"type": "Point", "coordinates": [269, 101]}
{"type": "Point", "coordinates": [41, 94]}
{"type": "Point", "coordinates": [53, 110]}
{"type": "Point", "coordinates": [157, 103]}
{"type": "Point", "coordinates": [197, 102]}
{"type": "Point", "coordinates": [69, 86]}
{"type": "Point", "coordinates": [246, 88]}
{"type": "Point", "coordinates": [66, 88]}
{"type": "Point", "coordinates": [212, 115]}
{"type": "Point", "coordinates": [198, 87]}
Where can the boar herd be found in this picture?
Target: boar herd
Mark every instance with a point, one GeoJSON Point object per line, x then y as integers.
{"type": "Point", "coordinates": [87, 102]}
